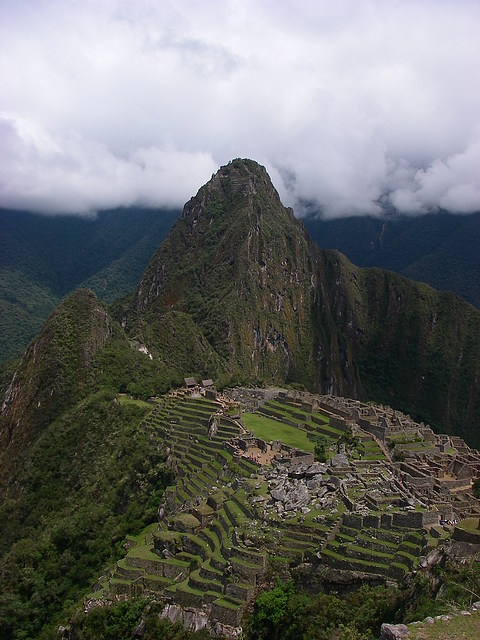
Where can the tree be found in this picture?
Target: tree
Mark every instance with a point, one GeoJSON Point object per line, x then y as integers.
{"type": "Point", "coordinates": [320, 449]}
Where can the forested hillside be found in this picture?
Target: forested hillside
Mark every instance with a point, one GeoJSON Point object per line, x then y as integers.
{"type": "Point", "coordinates": [440, 249]}
{"type": "Point", "coordinates": [42, 258]}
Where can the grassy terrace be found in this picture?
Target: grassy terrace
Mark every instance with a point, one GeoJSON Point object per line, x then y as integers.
{"type": "Point", "coordinates": [269, 429]}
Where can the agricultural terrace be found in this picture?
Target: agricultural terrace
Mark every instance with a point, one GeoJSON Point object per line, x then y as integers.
{"type": "Point", "coordinates": [269, 429]}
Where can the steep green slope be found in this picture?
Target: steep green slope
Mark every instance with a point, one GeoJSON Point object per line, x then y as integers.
{"type": "Point", "coordinates": [88, 479]}
{"type": "Point", "coordinates": [440, 249]}
{"type": "Point", "coordinates": [54, 369]}
{"type": "Point", "coordinates": [246, 274]}
{"type": "Point", "coordinates": [239, 290]}
{"type": "Point", "coordinates": [421, 353]}
{"type": "Point", "coordinates": [76, 471]}
{"type": "Point", "coordinates": [24, 307]}
{"type": "Point", "coordinates": [43, 258]}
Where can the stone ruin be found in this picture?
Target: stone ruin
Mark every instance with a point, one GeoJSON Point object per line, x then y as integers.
{"type": "Point", "coordinates": [228, 516]}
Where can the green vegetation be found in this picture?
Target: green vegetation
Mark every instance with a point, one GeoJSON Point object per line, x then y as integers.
{"type": "Point", "coordinates": [228, 295]}
{"type": "Point", "coordinates": [439, 248]}
{"type": "Point", "coordinates": [470, 524]}
{"type": "Point", "coordinates": [284, 613]}
{"type": "Point", "coordinates": [119, 621]}
{"type": "Point", "coordinates": [269, 429]}
{"type": "Point", "coordinates": [458, 626]}
{"type": "Point", "coordinates": [44, 258]}
{"type": "Point", "coordinates": [287, 612]}
{"type": "Point", "coordinates": [320, 448]}
{"type": "Point", "coordinates": [90, 478]}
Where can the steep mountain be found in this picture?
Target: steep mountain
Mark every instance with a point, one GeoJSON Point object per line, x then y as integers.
{"type": "Point", "coordinates": [43, 258]}
{"type": "Point", "coordinates": [239, 290]}
{"type": "Point", "coordinates": [440, 249]}
{"type": "Point", "coordinates": [239, 283]}
{"type": "Point", "coordinates": [55, 366]}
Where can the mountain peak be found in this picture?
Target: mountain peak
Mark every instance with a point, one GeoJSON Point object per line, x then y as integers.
{"type": "Point", "coordinates": [55, 365]}
{"type": "Point", "coordinates": [235, 188]}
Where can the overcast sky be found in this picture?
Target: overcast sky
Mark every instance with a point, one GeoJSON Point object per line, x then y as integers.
{"type": "Point", "coordinates": [349, 104]}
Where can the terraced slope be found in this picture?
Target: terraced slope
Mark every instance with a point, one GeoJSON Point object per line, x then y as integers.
{"type": "Point", "coordinates": [223, 525]}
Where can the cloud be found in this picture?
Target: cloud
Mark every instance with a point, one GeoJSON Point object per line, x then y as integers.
{"type": "Point", "coordinates": [453, 185]}
{"type": "Point", "coordinates": [72, 175]}
{"type": "Point", "coordinates": [111, 102]}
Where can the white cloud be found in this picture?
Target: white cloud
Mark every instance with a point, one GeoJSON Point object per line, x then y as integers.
{"type": "Point", "coordinates": [113, 102]}
{"type": "Point", "coordinates": [76, 176]}
{"type": "Point", "coordinates": [452, 184]}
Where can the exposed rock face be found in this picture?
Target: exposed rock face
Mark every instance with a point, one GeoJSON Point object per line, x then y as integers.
{"type": "Point", "coordinates": [393, 632]}
{"type": "Point", "coordinates": [197, 619]}
{"type": "Point", "coordinates": [239, 288]}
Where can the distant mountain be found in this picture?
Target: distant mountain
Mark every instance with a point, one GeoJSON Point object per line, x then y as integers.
{"type": "Point", "coordinates": [238, 290]}
{"type": "Point", "coordinates": [440, 249]}
{"type": "Point", "coordinates": [42, 258]}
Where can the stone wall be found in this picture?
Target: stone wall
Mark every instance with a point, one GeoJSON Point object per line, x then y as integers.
{"type": "Point", "coordinates": [415, 519]}
{"type": "Point", "coordinates": [228, 615]}
{"type": "Point", "coordinates": [461, 535]}
{"type": "Point", "coordinates": [375, 429]}
{"type": "Point", "coordinates": [329, 410]}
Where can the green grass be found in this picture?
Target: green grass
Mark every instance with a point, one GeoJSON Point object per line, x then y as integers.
{"type": "Point", "coordinates": [269, 429]}
{"type": "Point", "coordinates": [457, 627]}
{"type": "Point", "coordinates": [123, 399]}
{"type": "Point", "coordinates": [471, 525]}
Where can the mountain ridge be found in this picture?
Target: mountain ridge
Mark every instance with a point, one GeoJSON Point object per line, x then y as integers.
{"type": "Point", "coordinates": [265, 302]}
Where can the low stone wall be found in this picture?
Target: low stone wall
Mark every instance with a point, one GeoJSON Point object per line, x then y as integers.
{"type": "Point", "coordinates": [419, 481]}
{"type": "Point", "coordinates": [188, 599]}
{"type": "Point", "coordinates": [353, 520]}
{"type": "Point", "coordinates": [372, 521]}
{"type": "Point", "coordinates": [267, 411]}
{"type": "Point", "coordinates": [415, 519]}
{"type": "Point", "coordinates": [412, 471]}
{"type": "Point", "coordinates": [225, 614]}
{"type": "Point", "coordinates": [453, 484]}
{"type": "Point", "coordinates": [120, 588]}
{"type": "Point", "coordinates": [330, 411]}
{"type": "Point", "coordinates": [240, 591]}
{"type": "Point", "coordinates": [407, 520]}
{"type": "Point", "coordinates": [341, 563]}
{"type": "Point", "coordinates": [249, 556]}
{"type": "Point", "coordinates": [461, 535]}
{"type": "Point", "coordinates": [338, 423]}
